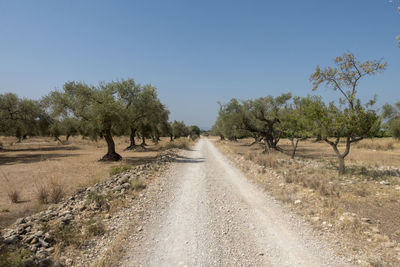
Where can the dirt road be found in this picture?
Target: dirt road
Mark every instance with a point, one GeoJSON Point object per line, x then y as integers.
{"type": "Point", "coordinates": [209, 214]}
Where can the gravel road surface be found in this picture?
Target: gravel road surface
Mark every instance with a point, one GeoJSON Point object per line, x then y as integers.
{"type": "Point", "coordinates": [207, 213]}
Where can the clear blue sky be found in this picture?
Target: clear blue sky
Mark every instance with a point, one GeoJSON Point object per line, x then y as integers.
{"type": "Point", "coordinates": [195, 52]}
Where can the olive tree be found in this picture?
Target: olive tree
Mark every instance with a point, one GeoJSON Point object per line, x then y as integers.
{"type": "Point", "coordinates": [230, 120]}
{"type": "Point", "coordinates": [145, 114]}
{"type": "Point", "coordinates": [194, 132]}
{"type": "Point", "coordinates": [264, 116]}
{"type": "Point", "coordinates": [19, 117]}
{"type": "Point", "coordinates": [65, 126]}
{"type": "Point", "coordinates": [97, 107]}
{"type": "Point", "coordinates": [179, 129]}
{"type": "Point", "coordinates": [297, 126]}
{"type": "Point", "coordinates": [350, 120]}
{"type": "Point", "coordinates": [392, 116]}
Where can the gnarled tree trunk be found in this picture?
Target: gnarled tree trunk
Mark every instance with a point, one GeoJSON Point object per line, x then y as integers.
{"type": "Point", "coordinates": [341, 156]}
{"type": "Point", "coordinates": [294, 147]}
{"type": "Point", "coordinates": [132, 144]}
{"type": "Point", "coordinates": [111, 154]}
{"type": "Point", "coordinates": [143, 144]}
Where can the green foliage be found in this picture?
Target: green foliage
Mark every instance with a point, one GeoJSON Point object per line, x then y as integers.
{"type": "Point", "coordinates": [94, 197]}
{"type": "Point", "coordinates": [350, 119]}
{"type": "Point", "coordinates": [229, 122]}
{"type": "Point", "coordinates": [19, 117]}
{"type": "Point", "coordinates": [145, 114]}
{"type": "Point", "coordinates": [119, 169]}
{"type": "Point", "coordinates": [95, 227]}
{"type": "Point", "coordinates": [179, 129]}
{"type": "Point", "coordinates": [16, 258]}
{"type": "Point", "coordinates": [97, 107]}
{"type": "Point", "coordinates": [194, 131]}
{"type": "Point", "coordinates": [391, 115]}
{"type": "Point", "coordinates": [68, 235]}
{"type": "Point", "coordinates": [264, 117]}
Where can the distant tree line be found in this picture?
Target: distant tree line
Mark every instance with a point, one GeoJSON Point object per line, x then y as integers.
{"type": "Point", "coordinates": [108, 109]}
{"type": "Point", "coordinates": [269, 119]}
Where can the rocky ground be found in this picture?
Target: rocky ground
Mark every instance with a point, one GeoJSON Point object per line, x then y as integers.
{"type": "Point", "coordinates": [88, 228]}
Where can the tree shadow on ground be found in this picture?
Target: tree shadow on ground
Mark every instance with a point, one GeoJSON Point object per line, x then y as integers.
{"type": "Point", "coordinates": [44, 149]}
{"type": "Point", "coordinates": [182, 159]}
{"type": "Point", "coordinates": [31, 158]}
{"type": "Point", "coordinates": [179, 159]}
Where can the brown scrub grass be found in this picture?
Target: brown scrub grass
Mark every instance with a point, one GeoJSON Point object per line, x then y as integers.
{"type": "Point", "coordinates": [39, 170]}
{"type": "Point", "coordinates": [363, 190]}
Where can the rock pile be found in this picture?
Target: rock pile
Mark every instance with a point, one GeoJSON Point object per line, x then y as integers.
{"type": "Point", "coordinates": [38, 233]}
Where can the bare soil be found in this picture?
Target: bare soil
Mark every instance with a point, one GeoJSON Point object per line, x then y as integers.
{"type": "Point", "coordinates": [42, 162]}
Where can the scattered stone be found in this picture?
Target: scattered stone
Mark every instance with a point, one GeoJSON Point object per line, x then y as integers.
{"type": "Point", "coordinates": [20, 221]}
{"type": "Point", "coordinates": [366, 220]}
{"type": "Point", "coordinates": [389, 244]}
{"type": "Point", "coordinates": [375, 229]}
{"type": "Point", "coordinates": [297, 201]}
{"type": "Point", "coordinates": [11, 239]}
{"type": "Point", "coordinates": [36, 232]}
{"type": "Point", "coordinates": [118, 188]}
{"type": "Point", "coordinates": [43, 243]}
{"type": "Point", "coordinates": [315, 219]}
{"type": "Point", "coordinates": [126, 185]}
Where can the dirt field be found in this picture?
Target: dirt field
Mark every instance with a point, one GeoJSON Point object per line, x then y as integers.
{"type": "Point", "coordinates": [43, 163]}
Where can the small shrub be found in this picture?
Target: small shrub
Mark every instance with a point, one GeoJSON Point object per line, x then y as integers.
{"type": "Point", "coordinates": [328, 189]}
{"type": "Point", "coordinates": [181, 143]}
{"type": "Point", "coordinates": [362, 191]}
{"type": "Point", "coordinates": [284, 196]}
{"type": "Point", "coordinates": [43, 195]}
{"type": "Point", "coordinates": [94, 197]}
{"type": "Point", "coordinates": [5, 210]}
{"type": "Point", "coordinates": [15, 258]}
{"type": "Point", "coordinates": [56, 193]}
{"type": "Point", "coordinates": [137, 184]}
{"type": "Point", "coordinates": [67, 235]}
{"type": "Point", "coordinates": [95, 227]}
{"type": "Point", "coordinates": [312, 182]}
{"type": "Point", "coordinates": [119, 169]}
{"type": "Point", "coordinates": [250, 156]}
{"type": "Point", "coordinates": [289, 179]}
{"type": "Point", "coordinates": [44, 227]}
{"type": "Point", "coordinates": [13, 195]}
{"type": "Point", "coordinates": [267, 160]}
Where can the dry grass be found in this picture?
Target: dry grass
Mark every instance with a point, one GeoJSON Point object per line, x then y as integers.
{"type": "Point", "coordinates": [369, 152]}
{"type": "Point", "coordinates": [181, 143]}
{"type": "Point", "coordinates": [269, 160]}
{"type": "Point", "coordinates": [119, 169]}
{"type": "Point", "coordinates": [385, 144]}
{"type": "Point", "coordinates": [44, 171]}
{"type": "Point", "coordinates": [365, 190]}
{"type": "Point", "coordinates": [42, 195]}
{"type": "Point", "coordinates": [138, 184]}
{"type": "Point", "coordinates": [14, 196]}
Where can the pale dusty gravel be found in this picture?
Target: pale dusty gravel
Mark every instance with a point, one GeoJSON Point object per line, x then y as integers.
{"type": "Point", "coordinates": [208, 214]}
